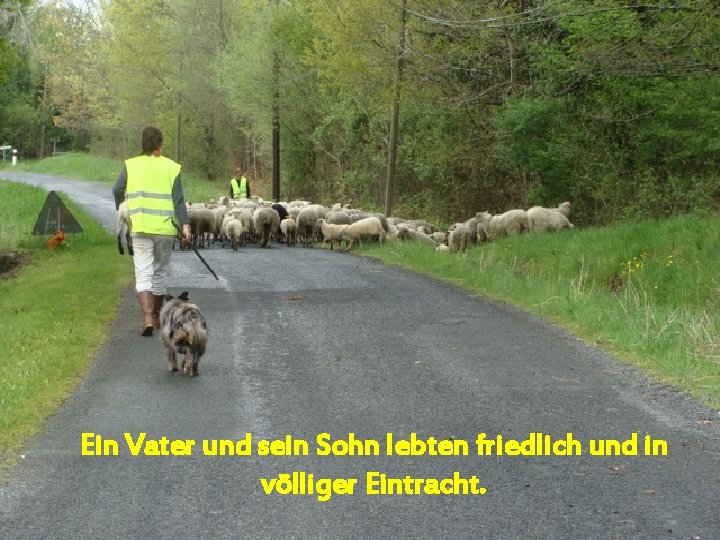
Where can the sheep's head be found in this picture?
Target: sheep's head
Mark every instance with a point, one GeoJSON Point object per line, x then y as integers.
{"type": "Point", "coordinates": [564, 208]}
{"type": "Point", "coordinates": [483, 217]}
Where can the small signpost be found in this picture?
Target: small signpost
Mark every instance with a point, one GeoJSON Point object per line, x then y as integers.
{"type": "Point", "coordinates": [55, 217]}
{"type": "Point", "coordinates": [4, 149]}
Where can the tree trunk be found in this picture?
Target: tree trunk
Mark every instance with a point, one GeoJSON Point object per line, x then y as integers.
{"type": "Point", "coordinates": [392, 150]}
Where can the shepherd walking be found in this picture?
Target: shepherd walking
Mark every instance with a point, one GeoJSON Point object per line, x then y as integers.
{"type": "Point", "coordinates": [239, 185]}
{"type": "Point", "coordinates": [151, 184]}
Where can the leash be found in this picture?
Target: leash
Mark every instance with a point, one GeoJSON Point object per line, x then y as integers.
{"type": "Point", "coordinates": [179, 230]}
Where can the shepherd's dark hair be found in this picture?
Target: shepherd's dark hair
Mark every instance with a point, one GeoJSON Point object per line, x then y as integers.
{"type": "Point", "coordinates": [152, 139]}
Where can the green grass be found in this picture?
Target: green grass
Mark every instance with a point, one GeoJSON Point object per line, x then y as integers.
{"type": "Point", "coordinates": [55, 314]}
{"type": "Point", "coordinates": [647, 292]}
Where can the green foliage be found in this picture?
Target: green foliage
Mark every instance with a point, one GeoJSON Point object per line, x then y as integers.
{"type": "Point", "coordinates": [502, 104]}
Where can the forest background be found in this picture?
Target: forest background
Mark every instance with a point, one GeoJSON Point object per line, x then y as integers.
{"type": "Point", "coordinates": [612, 105]}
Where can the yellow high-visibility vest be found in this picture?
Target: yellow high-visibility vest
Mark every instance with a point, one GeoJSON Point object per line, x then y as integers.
{"type": "Point", "coordinates": [149, 194]}
{"type": "Point", "coordinates": [239, 191]}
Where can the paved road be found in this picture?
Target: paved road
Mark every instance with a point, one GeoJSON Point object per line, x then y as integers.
{"type": "Point", "coordinates": [305, 341]}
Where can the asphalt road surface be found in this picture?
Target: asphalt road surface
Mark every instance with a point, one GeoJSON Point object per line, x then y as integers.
{"type": "Point", "coordinates": [308, 341]}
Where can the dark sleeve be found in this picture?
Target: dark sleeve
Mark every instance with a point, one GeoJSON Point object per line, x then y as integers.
{"type": "Point", "coordinates": [231, 193]}
{"type": "Point", "coordinates": [120, 187]}
{"type": "Point", "coordinates": [179, 202]}
{"type": "Point", "coordinates": [247, 188]}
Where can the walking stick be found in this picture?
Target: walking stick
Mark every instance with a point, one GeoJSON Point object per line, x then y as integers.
{"type": "Point", "coordinates": [171, 220]}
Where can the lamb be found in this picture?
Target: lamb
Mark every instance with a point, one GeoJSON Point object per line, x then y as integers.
{"type": "Point", "coordinates": [331, 233]}
{"type": "Point", "coordinates": [306, 222]}
{"type": "Point", "coordinates": [124, 224]}
{"type": "Point", "coordinates": [511, 222]}
{"type": "Point", "coordinates": [288, 228]}
{"type": "Point", "coordinates": [244, 215]}
{"type": "Point", "coordinates": [368, 227]}
{"type": "Point", "coordinates": [265, 220]}
{"type": "Point", "coordinates": [236, 231]}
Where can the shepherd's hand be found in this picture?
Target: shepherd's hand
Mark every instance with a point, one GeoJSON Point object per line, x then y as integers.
{"type": "Point", "coordinates": [185, 240]}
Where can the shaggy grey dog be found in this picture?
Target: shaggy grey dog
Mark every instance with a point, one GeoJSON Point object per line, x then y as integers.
{"type": "Point", "coordinates": [183, 330]}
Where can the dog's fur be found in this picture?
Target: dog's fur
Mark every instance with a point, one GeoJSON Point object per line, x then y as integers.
{"type": "Point", "coordinates": [183, 329]}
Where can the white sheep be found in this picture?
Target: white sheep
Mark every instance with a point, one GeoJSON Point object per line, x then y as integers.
{"type": "Point", "coordinates": [459, 238]}
{"type": "Point", "coordinates": [288, 228]}
{"type": "Point", "coordinates": [202, 222]}
{"type": "Point", "coordinates": [439, 237]}
{"type": "Point", "coordinates": [392, 235]}
{"type": "Point", "coordinates": [405, 231]}
{"type": "Point", "coordinates": [124, 225]}
{"type": "Point", "coordinates": [244, 215]}
{"type": "Point", "coordinates": [368, 227]}
{"type": "Point", "coordinates": [548, 219]}
{"type": "Point", "coordinates": [511, 222]}
{"type": "Point", "coordinates": [422, 223]}
{"type": "Point", "coordinates": [218, 216]}
{"type": "Point", "coordinates": [265, 220]}
{"type": "Point", "coordinates": [330, 232]}
{"type": "Point", "coordinates": [236, 231]}
{"type": "Point", "coordinates": [306, 223]}
{"type": "Point", "coordinates": [473, 225]}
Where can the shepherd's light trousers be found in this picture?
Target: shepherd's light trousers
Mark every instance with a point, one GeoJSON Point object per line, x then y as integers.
{"type": "Point", "coordinates": [151, 258]}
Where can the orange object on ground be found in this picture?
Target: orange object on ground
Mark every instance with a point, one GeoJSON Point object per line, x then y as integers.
{"type": "Point", "coordinates": [57, 239]}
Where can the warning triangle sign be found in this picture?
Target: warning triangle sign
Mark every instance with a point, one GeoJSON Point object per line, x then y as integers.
{"type": "Point", "coordinates": [55, 217]}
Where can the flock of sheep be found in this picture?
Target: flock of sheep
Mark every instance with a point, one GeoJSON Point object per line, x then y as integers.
{"type": "Point", "coordinates": [239, 221]}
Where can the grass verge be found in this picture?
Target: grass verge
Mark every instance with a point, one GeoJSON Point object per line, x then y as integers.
{"type": "Point", "coordinates": [56, 312]}
{"type": "Point", "coordinates": [647, 292]}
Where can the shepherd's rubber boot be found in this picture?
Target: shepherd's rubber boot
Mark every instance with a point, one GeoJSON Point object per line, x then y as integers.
{"type": "Point", "coordinates": [158, 300]}
{"type": "Point", "coordinates": [147, 304]}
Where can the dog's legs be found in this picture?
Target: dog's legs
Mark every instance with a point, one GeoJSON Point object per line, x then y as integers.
{"type": "Point", "coordinates": [171, 359]}
{"type": "Point", "coordinates": [187, 370]}
{"type": "Point", "coordinates": [195, 361]}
